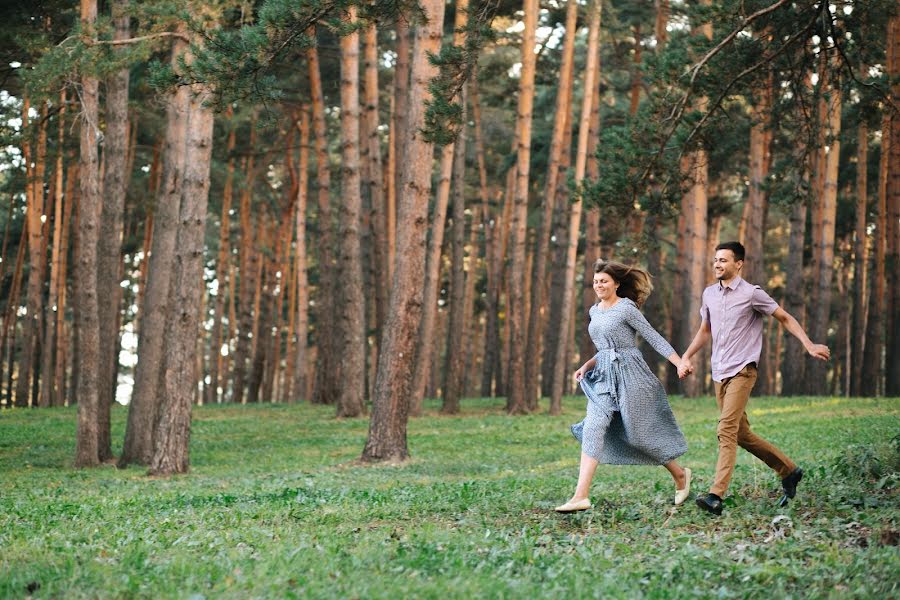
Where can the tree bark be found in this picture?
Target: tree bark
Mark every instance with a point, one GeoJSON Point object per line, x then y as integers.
{"type": "Point", "coordinates": [892, 363]}
{"type": "Point", "coordinates": [753, 223]}
{"type": "Point", "coordinates": [516, 402]}
{"type": "Point", "coordinates": [143, 410]}
{"type": "Point", "coordinates": [387, 427]}
{"type": "Point", "coordinates": [50, 389]}
{"type": "Point", "coordinates": [109, 250]}
{"type": "Point", "coordinates": [327, 381]}
{"type": "Point", "coordinates": [817, 371]}
{"type": "Point", "coordinates": [351, 303]}
{"type": "Point", "coordinates": [87, 321]}
{"type": "Point", "coordinates": [455, 358]}
{"type": "Point", "coordinates": [172, 440]}
{"type": "Point", "coordinates": [861, 261]}
{"type": "Point", "coordinates": [695, 235]}
{"type": "Point", "coordinates": [298, 385]}
{"type": "Point", "coordinates": [540, 291]}
{"type": "Point", "coordinates": [568, 292]}
{"type": "Point", "coordinates": [374, 177]}
{"type": "Point", "coordinates": [793, 365]}
{"type": "Point", "coordinates": [400, 120]}
{"type": "Point", "coordinates": [31, 325]}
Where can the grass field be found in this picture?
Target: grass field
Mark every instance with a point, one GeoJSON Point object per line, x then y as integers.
{"type": "Point", "coordinates": [277, 506]}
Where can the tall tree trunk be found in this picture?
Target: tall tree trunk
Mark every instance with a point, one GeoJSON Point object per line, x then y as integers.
{"type": "Point", "coordinates": [568, 293]}
{"type": "Point", "coordinates": [328, 383]}
{"type": "Point", "coordinates": [539, 289]}
{"type": "Point", "coordinates": [60, 397]}
{"type": "Point", "coordinates": [695, 234]}
{"type": "Point", "coordinates": [351, 303]}
{"type": "Point", "coordinates": [516, 403]}
{"type": "Point", "coordinates": [635, 96]}
{"type": "Point", "coordinates": [753, 223]}
{"type": "Point", "coordinates": [390, 403]}
{"type": "Point", "coordinates": [400, 120]}
{"type": "Point", "coordinates": [31, 326]}
{"type": "Point", "coordinates": [50, 388]}
{"type": "Point", "coordinates": [491, 353]}
{"type": "Point", "coordinates": [7, 342]}
{"type": "Point", "coordinates": [298, 364]}
{"type": "Point", "coordinates": [558, 249]}
{"type": "Point", "coordinates": [861, 261]}
{"type": "Point", "coordinates": [144, 408]}
{"type": "Point", "coordinates": [87, 321]}
{"type": "Point", "coordinates": [426, 345]}
{"type": "Point", "coordinates": [592, 244]}
{"type": "Point", "coordinates": [817, 371]}
{"type": "Point", "coordinates": [794, 363]}
{"type": "Point", "coordinates": [109, 250]}
{"type": "Point", "coordinates": [374, 176]}
{"type": "Point", "coordinates": [223, 285]}
{"type": "Point", "coordinates": [172, 441]}
{"type": "Point", "coordinates": [892, 363]}
{"type": "Point", "coordinates": [455, 358]}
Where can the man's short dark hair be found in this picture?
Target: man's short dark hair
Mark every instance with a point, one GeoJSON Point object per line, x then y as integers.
{"type": "Point", "coordinates": [736, 247]}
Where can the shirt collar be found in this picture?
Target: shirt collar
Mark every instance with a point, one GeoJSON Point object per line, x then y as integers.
{"type": "Point", "coordinates": [733, 285]}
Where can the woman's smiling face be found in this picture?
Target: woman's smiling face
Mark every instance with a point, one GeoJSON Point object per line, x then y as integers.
{"type": "Point", "coordinates": [605, 286]}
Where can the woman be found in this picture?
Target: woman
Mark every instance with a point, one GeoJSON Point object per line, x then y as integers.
{"type": "Point", "coordinates": [629, 421]}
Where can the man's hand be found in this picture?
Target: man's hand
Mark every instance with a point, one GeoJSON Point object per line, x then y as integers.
{"type": "Point", "coordinates": [685, 368]}
{"type": "Point", "coordinates": [819, 351]}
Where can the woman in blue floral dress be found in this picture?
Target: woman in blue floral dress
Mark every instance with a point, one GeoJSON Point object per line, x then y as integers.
{"type": "Point", "coordinates": [629, 420]}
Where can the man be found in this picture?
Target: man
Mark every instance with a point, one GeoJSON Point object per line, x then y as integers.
{"type": "Point", "coordinates": [731, 314]}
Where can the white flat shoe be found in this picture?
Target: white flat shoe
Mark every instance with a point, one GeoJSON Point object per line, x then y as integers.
{"type": "Point", "coordinates": [682, 494]}
{"type": "Point", "coordinates": [568, 507]}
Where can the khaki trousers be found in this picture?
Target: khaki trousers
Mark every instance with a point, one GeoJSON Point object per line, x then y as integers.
{"type": "Point", "coordinates": [734, 430]}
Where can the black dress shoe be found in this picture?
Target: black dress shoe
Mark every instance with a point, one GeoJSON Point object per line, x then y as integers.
{"type": "Point", "coordinates": [710, 503]}
{"type": "Point", "coordinates": [789, 485]}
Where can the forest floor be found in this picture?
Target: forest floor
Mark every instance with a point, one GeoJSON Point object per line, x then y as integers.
{"type": "Point", "coordinates": [278, 506]}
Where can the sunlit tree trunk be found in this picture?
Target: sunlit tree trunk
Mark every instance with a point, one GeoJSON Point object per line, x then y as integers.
{"type": "Point", "coordinates": [694, 232]}
{"type": "Point", "coordinates": [516, 402]}
{"type": "Point", "coordinates": [824, 224]}
{"type": "Point", "coordinates": [154, 307]}
{"type": "Point", "coordinates": [426, 345]}
{"type": "Point", "coordinates": [539, 289]}
{"type": "Point", "coordinates": [35, 160]}
{"type": "Point", "coordinates": [390, 403]}
{"type": "Point", "coordinates": [568, 291]}
{"type": "Point", "coordinates": [88, 348]}
{"type": "Point", "coordinates": [592, 245]}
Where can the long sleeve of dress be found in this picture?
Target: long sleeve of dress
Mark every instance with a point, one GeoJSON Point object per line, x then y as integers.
{"type": "Point", "coordinates": [639, 323]}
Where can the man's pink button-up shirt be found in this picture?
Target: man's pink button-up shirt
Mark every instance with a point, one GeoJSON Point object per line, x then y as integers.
{"type": "Point", "coordinates": [734, 313]}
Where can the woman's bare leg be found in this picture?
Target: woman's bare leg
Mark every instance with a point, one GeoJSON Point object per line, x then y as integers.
{"type": "Point", "coordinates": [677, 472]}
{"type": "Point", "coordinates": [585, 476]}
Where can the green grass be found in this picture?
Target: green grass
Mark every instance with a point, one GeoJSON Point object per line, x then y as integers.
{"type": "Point", "coordinates": [276, 505]}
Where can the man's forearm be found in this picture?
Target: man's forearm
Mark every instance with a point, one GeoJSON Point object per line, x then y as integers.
{"type": "Point", "coordinates": [698, 342]}
{"type": "Point", "coordinates": [794, 328]}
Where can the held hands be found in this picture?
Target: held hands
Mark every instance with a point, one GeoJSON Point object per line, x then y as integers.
{"type": "Point", "coordinates": [685, 368]}
{"type": "Point", "coordinates": [819, 351]}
